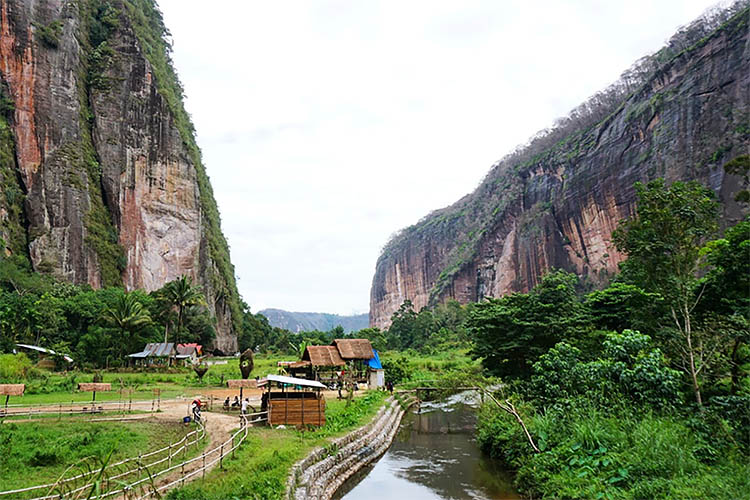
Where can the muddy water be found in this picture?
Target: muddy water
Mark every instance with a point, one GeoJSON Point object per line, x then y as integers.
{"type": "Point", "coordinates": [434, 456]}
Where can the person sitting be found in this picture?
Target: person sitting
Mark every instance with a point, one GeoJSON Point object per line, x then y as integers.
{"type": "Point", "coordinates": [236, 402]}
{"type": "Point", "coordinates": [226, 403]}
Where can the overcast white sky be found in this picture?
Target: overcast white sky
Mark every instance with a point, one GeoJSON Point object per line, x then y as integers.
{"type": "Point", "coordinates": [326, 126]}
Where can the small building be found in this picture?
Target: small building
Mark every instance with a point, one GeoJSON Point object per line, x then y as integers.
{"type": "Point", "coordinates": [189, 353]}
{"type": "Point", "coordinates": [44, 354]}
{"type": "Point", "coordinates": [154, 354]}
{"type": "Point", "coordinates": [356, 353]}
{"type": "Point", "coordinates": [295, 401]}
{"type": "Point", "coordinates": [319, 362]}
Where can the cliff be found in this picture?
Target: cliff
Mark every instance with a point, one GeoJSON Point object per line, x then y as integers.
{"type": "Point", "coordinates": [309, 321]}
{"type": "Point", "coordinates": [103, 180]}
{"type": "Point", "coordinates": [556, 206]}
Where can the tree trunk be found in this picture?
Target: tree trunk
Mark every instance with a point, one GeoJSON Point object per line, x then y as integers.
{"type": "Point", "coordinates": [691, 356]}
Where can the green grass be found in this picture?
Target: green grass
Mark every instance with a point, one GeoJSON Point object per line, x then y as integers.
{"type": "Point", "coordinates": [39, 452]}
{"type": "Point", "coordinates": [57, 388]}
{"type": "Point", "coordinates": [262, 465]}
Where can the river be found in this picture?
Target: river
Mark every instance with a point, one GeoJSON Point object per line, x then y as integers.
{"type": "Point", "coordinates": [434, 456]}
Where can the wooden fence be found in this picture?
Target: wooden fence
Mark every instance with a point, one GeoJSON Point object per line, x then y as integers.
{"type": "Point", "coordinates": [133, 478]}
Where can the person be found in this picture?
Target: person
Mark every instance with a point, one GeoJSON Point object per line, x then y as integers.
{"type": "Point", "coordinates": [340, 384]}
{"type": "Point", "coordinates": [236, 402]}
{"type": "Point", "coordinates": [244, 406]}
{"type": "Point", "coordinates": [226, 403]}
{"type": "Point", "coordinates": [389, 386]}
{"type": "Point", "coordinates": [196, 407]}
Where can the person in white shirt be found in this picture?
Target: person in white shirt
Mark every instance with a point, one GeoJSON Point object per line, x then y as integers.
{"type": "Point", "coordinates": [245, 402]}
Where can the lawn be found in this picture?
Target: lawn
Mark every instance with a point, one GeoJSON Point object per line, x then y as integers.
{"type": "Point", "coordinates": [54, 388]}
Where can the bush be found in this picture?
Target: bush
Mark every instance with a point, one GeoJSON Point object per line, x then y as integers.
{"type": "Point", "coordinates": [14, 367]}
{"type": "Point", "coordinates": [629, 368]}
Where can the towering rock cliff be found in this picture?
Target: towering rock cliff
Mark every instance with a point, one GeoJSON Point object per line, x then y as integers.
{"type": "Point", "coordinates": [103, 179]}
{"type": "Point", "coordinates": [557, 206]}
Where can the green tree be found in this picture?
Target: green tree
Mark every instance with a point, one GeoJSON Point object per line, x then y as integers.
{"type": "Point", "coordinates": [725, 307]}
{"type": "Point", "coordinates": [663, 241]}
{"type": "Point", "coordinates": [510, 333]}
{"type": "Point", "coordinates": [179, 295]}
{"type": "Point", "coordinates": [622, 305]}
{"type": "Point", "coordinates": [127, 316]}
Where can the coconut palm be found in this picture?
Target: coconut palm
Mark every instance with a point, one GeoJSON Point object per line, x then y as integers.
{"type": "Point", "coordinates": [179, 295]}
{"type": "Point", "coordinates": [126, 315]}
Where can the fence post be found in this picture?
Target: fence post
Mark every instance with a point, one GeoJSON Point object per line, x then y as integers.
{"type": "Point", "coordinates": [204, 465]}
{"type": "Point", "coordinates": [169, 464]}
{"type": "Point", "coordinates": [221, 458]}
{"type": "Point", "coordinates": [184, 453]}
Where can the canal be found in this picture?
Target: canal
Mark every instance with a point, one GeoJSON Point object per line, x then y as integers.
{"type": "Point", "coordinates": [434, 456]}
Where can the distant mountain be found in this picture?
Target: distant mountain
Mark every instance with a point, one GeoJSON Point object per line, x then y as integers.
{"type": "Point", "coordinates": [307, 321]}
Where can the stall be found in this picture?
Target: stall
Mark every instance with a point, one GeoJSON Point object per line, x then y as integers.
{"type": "Point", "coordinates": [293, 401]}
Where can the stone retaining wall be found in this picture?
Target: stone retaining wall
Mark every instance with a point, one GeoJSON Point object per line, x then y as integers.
{"type": "Point", "coordinates": [324, 470]}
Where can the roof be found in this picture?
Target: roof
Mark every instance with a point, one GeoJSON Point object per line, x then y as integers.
{"type": "Point", "coordinates": [354, 348]}
{"type": "Point", "coordinates": [323, 355]}
{"type": "Point", "coordinates": [157, 350]}
{"type": "Point", "coordinates": [374, 363]}
{"type": "Point", "coordinates": [189, 348]}
{"type": "Point", "coordinates": [44, 350]}
{"type": "Point", "coordinates": [292, 381]}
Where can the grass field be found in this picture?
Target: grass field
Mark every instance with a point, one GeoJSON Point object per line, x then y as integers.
{"type": "Point", "coordinates": [56, 388]}
{"type": "Point", "coordinates": [39, 452]}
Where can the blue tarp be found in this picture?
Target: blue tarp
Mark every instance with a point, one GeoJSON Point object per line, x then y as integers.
{"type": "Point", "coordinates": [374, 363]}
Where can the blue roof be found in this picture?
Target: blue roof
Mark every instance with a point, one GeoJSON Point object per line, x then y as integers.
{"type": "Point", "coordinates": [374, 363]}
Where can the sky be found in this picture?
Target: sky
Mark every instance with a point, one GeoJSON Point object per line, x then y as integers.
{"type": "Point", "coordinates": [328, 125]}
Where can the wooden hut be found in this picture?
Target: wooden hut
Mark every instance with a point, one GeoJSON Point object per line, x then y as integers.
{"type": "Point", "coordinates": [356, 353]}
{"type": "Point", "coordinates": [319, 362]}
{"type": "Point", "coordinates": [295, 401]}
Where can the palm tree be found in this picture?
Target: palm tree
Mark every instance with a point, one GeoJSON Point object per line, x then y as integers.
{"type": "Point", "coordinates": [181, 294]}
{"type": "Point", "coordinates": [127, 315]}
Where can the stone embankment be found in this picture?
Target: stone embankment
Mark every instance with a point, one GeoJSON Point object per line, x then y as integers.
{"type": "Point", "coordinates": [322, 472]}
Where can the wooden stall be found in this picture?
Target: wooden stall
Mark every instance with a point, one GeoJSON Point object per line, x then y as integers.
{"type": "Point", "coordinates": [294, 401]}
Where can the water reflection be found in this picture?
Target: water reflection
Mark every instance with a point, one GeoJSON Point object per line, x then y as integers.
{"type": "Point", "coordinates": [434, 456]}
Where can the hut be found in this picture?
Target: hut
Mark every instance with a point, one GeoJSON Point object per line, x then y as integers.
{"type": "Point", "coordinates": [189, 353]}
{"type": "Point", "coordinates": [44, 355]}
{"type": "Point", "coordinates": [356, 353]}
{"type": "Point", "coordinates": [154, 354]}
{"type": "Point", "coordinates": [319, 362]}
{"type": "Point", "coordinates": [295, 401]}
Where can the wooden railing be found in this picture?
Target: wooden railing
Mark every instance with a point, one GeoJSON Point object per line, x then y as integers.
{"type": "Point", "coordinates": [139, 479]}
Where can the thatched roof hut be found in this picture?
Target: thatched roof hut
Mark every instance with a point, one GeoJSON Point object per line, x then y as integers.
{"type": "Point", "coordinates": [351, 349]}
{"type": "Point", "coordinates": [323, 355]}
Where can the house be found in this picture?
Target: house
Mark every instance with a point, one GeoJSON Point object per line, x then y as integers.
{"type": "Point", "coordinates": [189, 353]}
{"type": "Point", "coordinates": [155, 354]}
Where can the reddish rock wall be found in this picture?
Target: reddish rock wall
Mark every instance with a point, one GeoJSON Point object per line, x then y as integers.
{"type": "Point", "coordinates": [559, 209]}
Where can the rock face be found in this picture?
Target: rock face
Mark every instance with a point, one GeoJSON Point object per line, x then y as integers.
{"type": "Point", "coordinates": [115, 192]}
{"type": "Point", "coordinates": [559, 208]}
